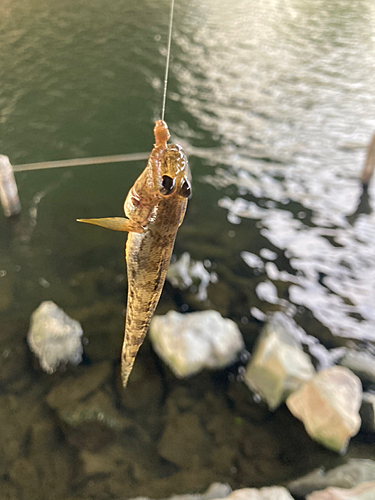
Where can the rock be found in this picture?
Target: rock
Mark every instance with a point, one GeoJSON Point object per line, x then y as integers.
{"type": "Point", "coordinates": [361, 363]}
{"type": "Point", "coordinates": [223, 491]}
{"type": "Point", "coordinates": [364, 491]}
{"type": "Point", "coordinates": [17, 413]}
{"type": "Point", "coordinates": [92, 423]}
{"type": "Point", "coordinates": [106, 462]}
{"type": "Point", "coordinates": [272, 493]}
{"type": "Point", "coordinates": [278, 365]}
{"type": "Point", "coordinates": [184, 272]}
{"type": "Point", "coordinates": [25, 477]}
{"type": "Point", "coordinates": [328, 405]}
{"type": "Point", "coordinates": [8, 490]}
{"type": "Point", "coordinates": [190, 342]}
{"type": "Point", "coordinates": [51, 460]}
{"type": "Point", "coordinates": [215, 491]}
{"type": "Point", "coordinates": [73, 389]}
{"type": "Point", "coordinates": [349, 475]}
{"type": "Point", "coordinates": [184, 442]}
{"type": "Point", "coordinates": [367, 412]}
{"type": "Point", "coordinates": [54, 337]}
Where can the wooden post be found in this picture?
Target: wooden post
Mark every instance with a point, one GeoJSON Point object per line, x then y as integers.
{"type": "Point", "coordinates": [8, 188]}
{"type": "Point", "coordinates": [369, 164]}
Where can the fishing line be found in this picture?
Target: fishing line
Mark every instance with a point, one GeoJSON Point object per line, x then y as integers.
{"type": "Point", "coordinates": [168, 59]}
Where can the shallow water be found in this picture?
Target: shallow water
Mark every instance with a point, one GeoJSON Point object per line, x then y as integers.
{"type": "Point", "coordinates": [275, 103]}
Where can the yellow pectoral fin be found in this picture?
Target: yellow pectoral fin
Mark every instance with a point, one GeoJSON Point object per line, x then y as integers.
{"type": "Point", "coordinates": [115, 223]}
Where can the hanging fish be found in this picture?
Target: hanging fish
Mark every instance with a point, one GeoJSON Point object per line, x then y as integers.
{"type": "Point", "coordinates": [155, 208]}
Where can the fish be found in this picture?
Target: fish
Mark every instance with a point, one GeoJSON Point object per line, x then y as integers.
{"type": "Point", "coordinates": [154, 208]}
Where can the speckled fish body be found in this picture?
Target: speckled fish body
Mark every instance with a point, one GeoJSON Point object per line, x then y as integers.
{"type": "Point", "coordinates": [147, 256]}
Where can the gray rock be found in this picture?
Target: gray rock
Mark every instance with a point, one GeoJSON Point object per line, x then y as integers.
{"type": "Point", "coordinates": [93, 423]}
{"type": "Point", "coordinates": [50, 459]}
{"type": "Point", "coordinates": [17, 413]}
{"type": "Point", "coordinates": [188, 343]}
{"type": "Point", "coordinates": [328, 405]}
{"type": "Point", "coordinates": [365, 491]}
{"type": "Point", "coordinates": [73, 389]}
{"type": "Point", "coordinates": [8, 490]}
{"type": "Point", "coordinates": [349, 475]}
{"type": "Point", "coordinates": [54, 337]}
{"type": "Point", "coordinates": [361, 363]}
{"type": "Point", "coordinates": [24, 475]}
{"type": "Point", "coordinates": [367, 412]}
{"type": "Point", "coordinates": [184, 442]}
{"type": "Point", "coordinates": [278, 365]}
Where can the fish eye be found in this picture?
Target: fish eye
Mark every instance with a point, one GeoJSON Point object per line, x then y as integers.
{"type": "Point", "coordinates": [185, 189]}
{"type": "Point", "coordinates": [167, 185]}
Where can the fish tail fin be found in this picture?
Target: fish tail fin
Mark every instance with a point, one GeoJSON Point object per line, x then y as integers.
{"type": "Point", "coordinates": [130, 348]}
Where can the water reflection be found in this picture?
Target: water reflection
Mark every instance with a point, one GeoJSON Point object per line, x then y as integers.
{"type": "Point", "coordinates": [279, 98]}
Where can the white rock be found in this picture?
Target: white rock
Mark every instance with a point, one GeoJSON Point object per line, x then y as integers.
{"type": "Point", "coordinates": [221, 491]}
{"type": "Point", "coordinates": [278, 365]}
{"type": "Point", "coordinates": [349, 475]}
{"type": "Point", "coordinates": [328, 405]}
{"type": "Point", "coordinates": [365, 491]}
{"type": "Point", "coordinates": [54, 337]}
{"type": "Point", "coordinates": [188, 343]}
{"type": "Point", "coordinates": [361, 363]}
{"type": "Point", "coordinates": [272, 493]}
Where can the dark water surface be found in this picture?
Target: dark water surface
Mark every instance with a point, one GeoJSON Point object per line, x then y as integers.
{"type": "Point", "coordinates": [275, 101]}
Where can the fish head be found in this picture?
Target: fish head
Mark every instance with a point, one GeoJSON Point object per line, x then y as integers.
{"type": "Point", "coordinates": [175, 173]}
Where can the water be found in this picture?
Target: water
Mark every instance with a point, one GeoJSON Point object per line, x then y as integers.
{"type": "Point", "coordinates": [275, 103]}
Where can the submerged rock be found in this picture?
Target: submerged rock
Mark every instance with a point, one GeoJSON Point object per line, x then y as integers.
{"type": "Point", "coordinates": [93, 423]}
{"type": "Point", "coordinates": [25, 476]}
{"type": "Point", "coordinates": [73, 389]}
{"type": "Point", "coordinates": [54, 337]}
{"type": "Point", "coordinates": [278, 366]}
{"type": "Point", "coordinates": [349, 475]}
{"type": "Point", "coordinates": [88, 416]}
{"type": "Point", "coordinates": [361, 363]}
{"type": "Point", "coordinates": [215, 491]}
{"type": "Point", "coordinates": [328, 406]}
{"type": "Point", "coordinates": [188, 343]}
{"type": "Point", "coordinates": [365, 491]}
{"type": "Point", "coordinates": [184, 442]}
{"type": "Point", "coordinates": [367, 412]}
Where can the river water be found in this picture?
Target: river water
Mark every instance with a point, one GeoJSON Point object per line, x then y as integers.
{"type": "Point", "coordinates": [275, 103]}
